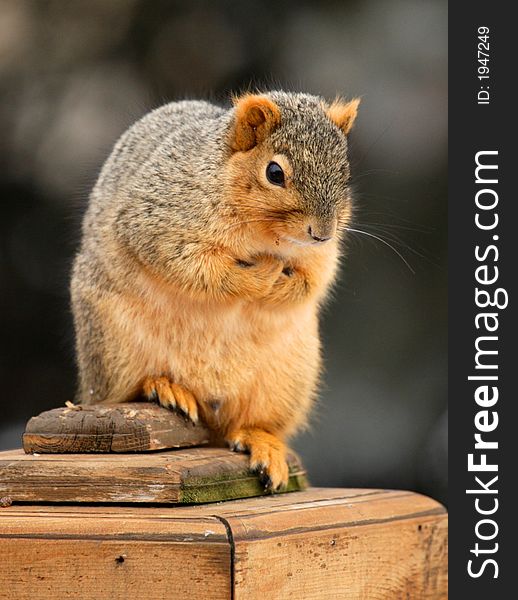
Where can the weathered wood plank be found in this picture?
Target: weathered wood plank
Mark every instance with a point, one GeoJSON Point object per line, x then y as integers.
{"type": "Point", "coordinates": [128, 427]}
{"type": "Point", "coordinates": [384, 545]}
{"type": "Point", "coordinates": [175, 476]}
{"type": "Point", "coordinates": [315, 544]}
{"type": "Point", "coordinates": [116, 569]}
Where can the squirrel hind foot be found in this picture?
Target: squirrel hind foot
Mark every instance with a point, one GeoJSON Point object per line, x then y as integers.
{"type": "Point", "coordinates": [171, 395]}
{"type": "Point", "coordinates": [267, 456]}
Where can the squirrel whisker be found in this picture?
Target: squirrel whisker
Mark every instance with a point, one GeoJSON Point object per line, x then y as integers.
{"type": "Point", "coordinates": [383, 241]}
{"type": "Point", "coordinates": [381, 228]}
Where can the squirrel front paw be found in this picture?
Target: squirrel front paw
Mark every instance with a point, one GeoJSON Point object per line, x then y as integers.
{"type": "Point", "coordinates": [267, 455]}
{"type": "Point", "coordinates": [171, 395]}
{"type": "Point", "coordinates": [258, 274]}
{"type": "Point", "coordinates": [292, 286]}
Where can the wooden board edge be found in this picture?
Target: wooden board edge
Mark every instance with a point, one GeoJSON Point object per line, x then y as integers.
{"type": "Point", "coordinates": [38, 443]}
{"type": "Point", "coordinates": [215, 489]}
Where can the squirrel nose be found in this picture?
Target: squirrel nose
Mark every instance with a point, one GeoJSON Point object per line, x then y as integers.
{"type": "Point", "coordinates": [319, 236]}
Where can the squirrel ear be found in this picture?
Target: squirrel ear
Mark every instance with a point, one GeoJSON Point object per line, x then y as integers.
{"type": "Point", "coordinates": [343, 114]}
{"type": "Point", "coordinates": [255, 117]}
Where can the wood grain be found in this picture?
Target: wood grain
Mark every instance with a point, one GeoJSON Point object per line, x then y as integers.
{"type": "Point", "coordinates": [316, 544]}
{"type": "Point", "coordinates": [87, 556]}
{"type": "Point", "coordinates": [175, 476]}
{"type": "Point", "coordinates": [128, 427]}
{"type": "Point", "coordinates": [384, 545]}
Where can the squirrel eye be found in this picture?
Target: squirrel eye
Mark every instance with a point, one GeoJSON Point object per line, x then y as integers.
{"type": "Point", "coordinates": [275, 174]}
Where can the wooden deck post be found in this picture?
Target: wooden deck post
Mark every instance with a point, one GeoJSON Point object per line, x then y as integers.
{"type": "Point", "coordinates": [129, 517]}
{"type": "Point", "coordinates": [311, 544]}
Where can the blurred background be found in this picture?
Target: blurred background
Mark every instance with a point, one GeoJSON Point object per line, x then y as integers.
{"type": "Point", "coordinates": [74, 74]}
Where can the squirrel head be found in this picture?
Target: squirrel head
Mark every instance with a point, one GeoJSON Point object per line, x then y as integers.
{"type": "Point", "coordinates": [288, 170]}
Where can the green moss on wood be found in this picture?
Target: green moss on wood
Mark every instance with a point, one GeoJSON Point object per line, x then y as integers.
{"type": "Point", "coordinates": [225, 486]}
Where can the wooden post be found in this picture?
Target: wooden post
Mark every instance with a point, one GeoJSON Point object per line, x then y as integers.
{"type": "Point", "coordinates": [151, 525]}
{"type": "Point", "coordinates": [324, 544]}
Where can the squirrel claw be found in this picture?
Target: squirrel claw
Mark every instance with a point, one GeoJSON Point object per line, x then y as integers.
{"type": "Point", "coordinates": [267, 482]}
{"type": "Point", "coordinates": [267, 456]}
{"type": "Point", "coordinates": [237, 446]}
{"type": "Point", "coordinates": [171, 395]}
{"type": "Point", "coordinates": [265, 479]}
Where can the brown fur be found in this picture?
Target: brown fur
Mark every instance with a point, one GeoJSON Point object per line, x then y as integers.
{"type": "Point", "coordinates": [210, 304]}
{"type": "Point", "coordinates": [256, 116]}
{"type": "Point", "coordinates": [343, 114]}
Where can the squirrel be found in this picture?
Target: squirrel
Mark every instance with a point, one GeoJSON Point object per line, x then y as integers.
{"type": "Point", "coordinates": [210, 241]}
